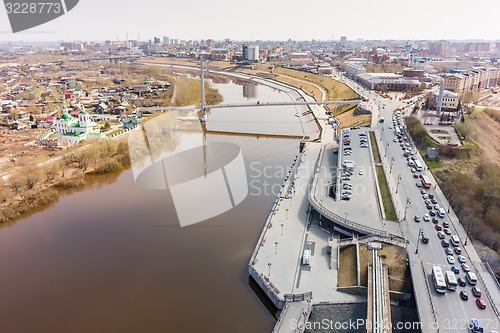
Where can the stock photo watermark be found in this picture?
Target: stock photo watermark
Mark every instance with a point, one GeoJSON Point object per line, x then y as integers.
{"type": "Point", "coordinates": [24, 15]}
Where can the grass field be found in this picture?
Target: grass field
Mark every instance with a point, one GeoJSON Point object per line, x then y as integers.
{"type": "Point", "coordinates": [390, 213]}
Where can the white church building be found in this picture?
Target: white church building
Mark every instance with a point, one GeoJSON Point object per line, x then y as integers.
{"type": "Point", "coordinates": [74, 130]}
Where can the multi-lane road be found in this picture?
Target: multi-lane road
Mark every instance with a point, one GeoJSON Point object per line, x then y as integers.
{"type": "Point", "coordinates": [453, 314]}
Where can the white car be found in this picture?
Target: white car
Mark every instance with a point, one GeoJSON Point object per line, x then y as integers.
{"type": "Point", "coordinates": [466, 268]}
{"type": "Point", "coordinates": [450, 259]}
{"type": "Point", "coordinates": [461, 259]}
{"type": "Point", "coordinates": [427, 218]}
{"type": "Point", "coordinates": [361, 172]}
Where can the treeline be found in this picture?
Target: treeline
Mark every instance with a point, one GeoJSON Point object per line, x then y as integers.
{"type": "Point", "coordinates": [35, 185]}
{"type": "Point", "coordinates": [419, 133]}
{"type": "Point", "coordinates": [476, 201]}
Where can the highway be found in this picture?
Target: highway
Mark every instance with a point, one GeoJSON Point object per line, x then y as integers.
{"type": "Point", "coordinates": [453, 314]}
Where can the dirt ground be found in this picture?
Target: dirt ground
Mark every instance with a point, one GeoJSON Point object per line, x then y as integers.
{"type": "Point", "coordinates": [26, 147]}
{"type": "Point", "coordinates": [347, 266]}
{"type": "Point", "coordinates": [487, 136]}
{"type": "Point", "coordinates": [393, 256]}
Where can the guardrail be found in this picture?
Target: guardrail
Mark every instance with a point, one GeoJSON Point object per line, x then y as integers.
{"type": "Point", "coordinates": [490, 270]}
{"type": "Point", "coordinates": [434, 313]}
{"type": "Point", "coordinates": [487, 292]}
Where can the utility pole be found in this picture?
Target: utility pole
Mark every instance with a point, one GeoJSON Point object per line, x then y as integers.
{"type": "Point", "coordinates": [203, 117]}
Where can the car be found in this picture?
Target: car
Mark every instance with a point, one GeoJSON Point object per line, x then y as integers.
{"type": "Point", "coordinates": [432, 213]}
{"type": "Point", "coordinates": [434, 220]}
{"type": "Point", "coordinates": [461, 259]}
{"type": "Point", "coordinates": [450, 259]}
{"type": "Point", "coordinates": [415, 175]}
{"type": "Point", "coordinates": [445, 243]}
{"type": "Point", "coordinates": [480, 303]}
{"type": "Point", "coordinates": [447, 231]}
{"type": "Point", "coordinates": [438, 227]}
{"type": "Point", "coordinates": [394, 140]}
{"type": "Point", "coordinates": [476, 291]}
{"type": "Point", "coordinates": [433, 200]}
{"type": "Point", "coordinates": [455, 269]}
{"type": "Point", "coordinates": [448, 251]}
{"type": "Point", "coordinates": [446, 224]}
{"type": "Point", "coordinates": [390, 127]}
{"type": "Point", "coordinates": [463, 295]}
{"type": "Point", "coordinates": [416, 218]}
{"type": "Point", "coordinates": [441, 235]}
{"type": "Point", "coordinates": [419, 184]}
{"type": "Point", "coordinates": [407, 144]}
{"type": "Point", "coordinates": [431, 196]}
{"type": "Point", "coordinates": [425, 196]}
{"type": "Point", "coordinates": [346, 178]}
{"type": "Point", "coordinates": [346, 197]}
{"type": "Point", "coordinates": [465, 268]}
{"type": "Point", "coordinates": [461, 282]}
{"type": "Point", "coordinates": [347, 153]}
{"type": "Point", "coordinates": [436, 207]}
{"type": "Point", "coordinates": [361, 172]}
{"type": "Point", "coordinates": [422, 191]}
{"type": "Point", "coordinates": [413, 170]}
{"type": "Point", "coordinates": [458, 250]}
{"type": "Point", "coordinates": [427, 218]}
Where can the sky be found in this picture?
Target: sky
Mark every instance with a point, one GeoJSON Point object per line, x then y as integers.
{"type": "Point", "coordinates": [99, 20]}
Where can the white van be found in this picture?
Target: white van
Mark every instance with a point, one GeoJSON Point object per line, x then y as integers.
{"type": "Point", "coordinates": [471, 277]}
{"type": "Point", "coordinates": [441, 212]}
{"type": "Point", "coordinates": [455, 240]}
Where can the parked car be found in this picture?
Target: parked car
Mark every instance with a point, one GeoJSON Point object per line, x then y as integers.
{"type": "Point", "coordinates": [441, 235]}
{"type": "Point", "coordinates": [447, 231]}
{"type": "Point", "coordinates": [434, 220]}
{"type": "Point", "coordinates": [461, 259]}
{"type": "Point", "coordinates": [465, 268]}
{"type": "Point", "coordinates": [427, 218]}
{"type": "Point", "coordinates": [463, 295]}
{"type": "Point", "coordinates": [416, 218]}
{"type": "Point", "coordinates": [458, 250]}
{"type": "Point", "coordinates": [438, 227]}
{"type": "Point", "coordinates": [455, 269]}
{"type": "Point", "coordinates": [445, 243]}
{"type": "Point", "coordinates": [448, 251]}
{"type": "Point", "coordinates": [450, 259]}
{"type": "Point", "coordinates": [446, 224]}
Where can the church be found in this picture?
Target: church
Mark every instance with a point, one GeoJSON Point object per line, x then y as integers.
{"type": "Point", "coordinates": [74, 130]}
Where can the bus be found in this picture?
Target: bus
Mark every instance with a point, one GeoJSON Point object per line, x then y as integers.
{"type": "Point", "coordinates": [426, 182]}
{"type": "Point", "coordinates": [451, 280]}
{"type": "Point", "coordinates": [438, 278]}
{"type": "Point", "coordinates": [418, 165]}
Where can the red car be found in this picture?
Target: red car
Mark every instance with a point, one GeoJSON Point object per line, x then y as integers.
{"type": "Point", "coordinates": [415, 175]}
{"type": "Point", "coordinates": [480, 303]}
{"type": "Point", "coordinates": [438, 227]}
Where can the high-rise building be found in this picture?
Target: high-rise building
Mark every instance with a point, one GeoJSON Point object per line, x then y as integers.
{"type": "Point", "coordinates": [156, 40]}
{"type": "Point", "coordinates": [440, 48]}
{"type": "Point", "coordinates": [250, 52]}
{"type": "Point", "coordinates": [343, 41]}
{"type": "Point", "coordinates": [166, 40]}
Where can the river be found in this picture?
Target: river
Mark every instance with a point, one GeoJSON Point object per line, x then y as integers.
{"type": "Point", "coordinates": [113, 257]}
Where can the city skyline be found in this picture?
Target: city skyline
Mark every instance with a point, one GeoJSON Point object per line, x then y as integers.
{"type": "Point", "coordinates": [388, 20]}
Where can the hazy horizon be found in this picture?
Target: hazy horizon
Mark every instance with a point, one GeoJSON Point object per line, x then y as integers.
{"type": "Point", "coordinates": [92, 20]}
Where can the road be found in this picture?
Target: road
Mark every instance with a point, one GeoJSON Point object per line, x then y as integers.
{"type": "Point", "coordinates": [453, 313]}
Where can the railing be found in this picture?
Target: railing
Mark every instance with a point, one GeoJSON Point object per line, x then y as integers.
{"type": "Point", "coordinates": [487, 292]}
{"type": "Point", "coordinates": [434, 313]}
{"type": "Point", "coordinates": [488, 267]}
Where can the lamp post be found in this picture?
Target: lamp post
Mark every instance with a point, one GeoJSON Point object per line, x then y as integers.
{"type": "Point", "coordinates": [392, 162]}
{"type": "Point", "coordinates": [418, 239]}
{"type": "Point", "coordinates": [397, 185]}
{"type": "Point", "coordinates": [269, 265]}
{"type": "Point", "coordinates": [386, 146]}
{"type": "Point", "coordinates": [408, 202]}
{"type": "Point", "coordinates": [282, 225]}
{"type": "Point", "coordinates": [276, 248]}
{"type": "Point", "coordinates": [286, 214]}
{"type": "Point", "coordinates": [346, 213]}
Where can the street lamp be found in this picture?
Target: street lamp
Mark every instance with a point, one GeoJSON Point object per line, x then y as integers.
{"type": "Point", "coordinates": [387, 146]}
{"type": "Point", "coordinates": [392, 162]}
{"type": "Point", "coordinates": [286, 214]}
{"type": "Point", "coordinates": [282, 225]}
{"type": "Point", "coordinates": [276, 248]}
{"type": "Point", "coordinates": [418, 239]}
{"type": "Point", "coordinates": [408, 202]}
{"type": "Point", "coordinates": [346, 213]}
{"type": "Point", "coordinates": [397, 185]}
{"type": "Point", "coordinates": [269, 265]}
